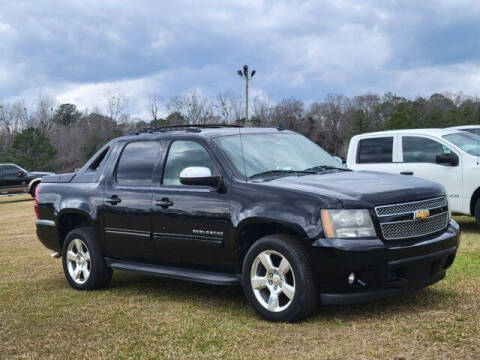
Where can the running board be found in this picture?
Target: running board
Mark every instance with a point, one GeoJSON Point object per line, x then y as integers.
{"type": "Point", "coordinates": [172, 272]}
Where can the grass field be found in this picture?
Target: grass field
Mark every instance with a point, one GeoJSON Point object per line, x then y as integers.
{"type": "Point", "coordinates": [148, 317]}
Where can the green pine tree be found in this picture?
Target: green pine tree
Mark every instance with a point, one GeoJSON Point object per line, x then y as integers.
{"type": "Point", "coordinates": [32, 150]}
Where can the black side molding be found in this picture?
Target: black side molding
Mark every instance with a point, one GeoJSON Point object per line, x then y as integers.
{"type": "Point", "coordinates": [172, 272]}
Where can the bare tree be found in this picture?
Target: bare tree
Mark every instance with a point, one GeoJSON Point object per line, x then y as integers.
{"type": "Point", "coordinates": [13, 117]}
{"type": "Point", "coordinates": [229, 106]}
{"type": "Point", "coordinates": [335, 125]}
{"type": "Point", "coordinates": [155, 101]}
{"type": "Point", "coordinates": [194, 107]}
{"type": "Point", "coordinates": [116, 103]}
{"type": "Point", "coordinates": [262, 110]}
{"type": "Point", "coordinates": [43, 116]}
{"type": "Point", "coordinates": [289, 113]}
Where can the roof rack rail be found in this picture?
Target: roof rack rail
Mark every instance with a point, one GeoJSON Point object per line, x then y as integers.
{"type": "Point", "coordinates": [195, 128]}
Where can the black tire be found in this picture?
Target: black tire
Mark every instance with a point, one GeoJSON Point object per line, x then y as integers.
{"type": "Point", "coordinates": [100, 273]}
{"type": "Point", "coordinates": [304, 301]}
{"type": "Point", "coordinates": [32, 190]}
{"type": "Point", "coordinates": [477, 212]}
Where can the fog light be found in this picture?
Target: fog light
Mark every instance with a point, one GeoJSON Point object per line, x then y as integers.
{"type": "Point", "coordinates": [351, 278]}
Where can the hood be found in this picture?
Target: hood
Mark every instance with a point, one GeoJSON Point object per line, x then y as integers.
{"type": "Point", "coordinates": [362, 188]}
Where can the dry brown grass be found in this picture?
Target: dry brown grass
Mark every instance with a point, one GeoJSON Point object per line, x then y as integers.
{"type": "Point", "coordinates": [147, 317]}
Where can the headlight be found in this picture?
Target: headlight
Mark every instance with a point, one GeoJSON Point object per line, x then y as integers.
{"type": "Point", "coordinates": [347, 223]}
{"type": "Point", "coordinates": [449, 208]}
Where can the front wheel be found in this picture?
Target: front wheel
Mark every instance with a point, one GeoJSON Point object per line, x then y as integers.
{"type": "Point", "coordinates": [33, 188]}
{"type": "Point", "coordinates": [477, 212]}
{"type": "Point", "coordinates": [83, 262]}
{"type": "Point", "coordinates": [278, 280]}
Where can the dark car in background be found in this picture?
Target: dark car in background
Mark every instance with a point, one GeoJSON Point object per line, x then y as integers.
{"type": "Point", "coordinates": [16, 180]}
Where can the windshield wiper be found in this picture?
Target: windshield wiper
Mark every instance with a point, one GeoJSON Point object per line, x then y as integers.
{"type": "Point", "coordinates": [326, 167]}
{"type": "Point", "coordinates": [281, 172]}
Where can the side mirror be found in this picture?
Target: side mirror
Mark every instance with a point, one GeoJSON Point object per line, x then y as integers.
{"type": "Point", "coordinates": [20, 174]}
{"type": "Point", "coordinates": [339, 159]}
{"type": "Point", "coordinates": [200, 176]}
{"type": "Point", "coordinates": [447, 159]}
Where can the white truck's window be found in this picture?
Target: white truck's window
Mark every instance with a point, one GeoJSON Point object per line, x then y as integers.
{"type": "Point", "coordinates": [375, 150]}
{"type": "Point", "coordinates": [468, 142]}
{"type": "Point", "coordinates": [418, 149]}
{"type": "Point", "coordinates": [473, 131]}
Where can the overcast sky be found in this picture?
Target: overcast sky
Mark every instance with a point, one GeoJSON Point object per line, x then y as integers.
{"type": "Point", "coordinates": [76, 51]}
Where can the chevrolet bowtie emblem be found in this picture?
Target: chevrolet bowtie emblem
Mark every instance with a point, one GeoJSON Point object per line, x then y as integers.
{"type": "Point", "coordinates": [421, 214]}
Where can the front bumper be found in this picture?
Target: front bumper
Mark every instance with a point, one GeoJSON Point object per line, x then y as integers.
{"type": "Point", "coordinates": [381, 269]}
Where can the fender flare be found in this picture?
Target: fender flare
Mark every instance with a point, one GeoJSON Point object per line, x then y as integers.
{"type": "Point", "coordinates": [33, 182]}
{"type": "Point", "coordinates": [294, 227]}
{"type": "Point", "coordinates": [66, 212]}
{"type": "Point", "coordinates": [69, 211]}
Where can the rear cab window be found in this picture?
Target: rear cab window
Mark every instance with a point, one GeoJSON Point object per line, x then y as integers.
{"type": "Point", "coordinates": [99, 160]}
{"type": "Point", "coordinates": [91, 171]}
{"type": "Point", "coordinates": [137, 162]}
{"type": "Point", "coordinates": [375, 150]}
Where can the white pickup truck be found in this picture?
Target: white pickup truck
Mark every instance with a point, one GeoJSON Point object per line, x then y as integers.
{"type": "Point", "coordinates": [450, 157]}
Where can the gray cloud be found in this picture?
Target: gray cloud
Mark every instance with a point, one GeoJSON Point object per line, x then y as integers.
{"type": "Point", "coordinates": [77, 50]}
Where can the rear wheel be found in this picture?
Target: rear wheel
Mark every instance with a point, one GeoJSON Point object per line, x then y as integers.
{"type": "Point", "coordinates": [277, 279]}
{"type": "Point", "coordinates": [83, 262]}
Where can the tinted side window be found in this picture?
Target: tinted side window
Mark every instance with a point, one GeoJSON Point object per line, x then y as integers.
{"type": "Point", "coordinates": [135, 167]}
{"type": "Point", "coordinates": [376, 150]}
{"type": "Point", "coordinates": [421, 150]}
{"type": "Point", "coordinates": [183, 154]}
{"type": "Point", "coordinates": [11, 170]}
{"type": "Point", "coordinates": [99, 161]}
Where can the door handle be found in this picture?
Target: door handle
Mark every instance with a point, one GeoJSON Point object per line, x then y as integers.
{"type": "Point", "coordinates": [114, 200]}
{"type": "Point", "coordinates": [407, 173]}
{"type": "Point", "coordinates": [164, 203]}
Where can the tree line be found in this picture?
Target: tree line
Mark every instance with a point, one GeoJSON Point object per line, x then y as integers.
{"type": "Point", "coordinates": [60, 137]}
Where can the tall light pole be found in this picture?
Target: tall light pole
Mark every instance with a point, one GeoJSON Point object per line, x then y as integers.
{"type": "Point", "coordinates": [247, 77]}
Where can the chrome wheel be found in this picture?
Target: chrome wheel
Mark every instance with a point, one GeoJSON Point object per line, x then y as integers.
{"type": "Point", "coordinates": [78, 261]}
{"type": "Point", "coordinates": [273, 281]}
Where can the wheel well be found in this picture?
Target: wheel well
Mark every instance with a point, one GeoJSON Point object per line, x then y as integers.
{"type": "Point", "coordinates": [68, 222]}
{"type": "Point", "coordinates": [473, 201]}
{"type": "Point", "coordinates": [32, 184]}
{"type": "Point", "coordinates": [251, 233]}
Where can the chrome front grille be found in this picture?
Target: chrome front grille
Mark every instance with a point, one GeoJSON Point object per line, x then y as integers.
{"type": "Point", "coordinates": [407, 226]}
{"type": "Point", "coordinates": [414, 228]}
{"type": "Point", "coordinates": [405, 208]}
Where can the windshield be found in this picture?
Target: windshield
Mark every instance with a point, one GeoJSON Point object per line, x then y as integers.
{"type": "Point", "coordinates": [468, 142]}
{"type": "Point", "coordinates": [276, 154]}
{"type": "Point", "coordinates": [475, 131]}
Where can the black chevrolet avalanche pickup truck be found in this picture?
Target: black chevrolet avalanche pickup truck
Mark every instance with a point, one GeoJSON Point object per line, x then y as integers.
{"type": "Point", "coordinates": [262, 207]}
